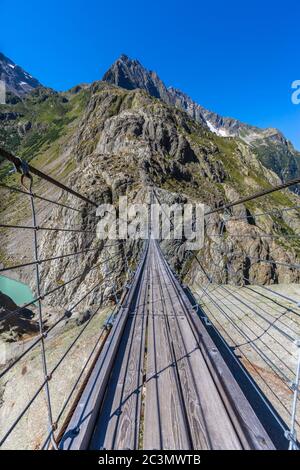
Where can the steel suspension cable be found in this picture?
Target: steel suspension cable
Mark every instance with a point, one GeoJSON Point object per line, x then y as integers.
{"type": "Point", "coordinates": [40, 227]}
{"type": "Point", "coordinates": [257, 195]}
{"type": "Point", "coordinates": [37, 196]}
{"type": "Point", "coordinates": [17, 162]}
{"type": "Point", "coordinates": [225, 207]}
{"type": "Point", "coordinates": [49, 376]}
{"type": "Point", "coordinates": [67, 255]}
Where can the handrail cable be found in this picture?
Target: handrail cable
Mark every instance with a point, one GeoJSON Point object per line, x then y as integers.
{"type": "Point", "coordinates": [252, 365]}
{"type": "Point", "coordinates": [102, 331]}
{"type": "Point", "coordinates": [37, 196]}
{"type": "Point", "coordinates": [291, 434]}
{"type": "Point", "coordinates": [271, 324]}
{"type": "Point", "coordinates": [17, 162]}
{"type": "Point", "coordinates": [261, 214]}
{"type": "Point", "coordinates": [239, 274]}
{"type": "Point", "coordinates": [265, 192]}
{"type": "Point", "coordinates": [46, 333]}
{"type": "Point", "coordinates": [53, 258]}
{"type": "Point", "coordinates": [41, 227]}
{"type": "Point", "coordinates": [277, 371]}
{"type": "Point", "coordinates": [249, 377]}
{"type": "Point", "coordinates": [26, 171]}
{"type": "Point", "coordinates": [254, 236]}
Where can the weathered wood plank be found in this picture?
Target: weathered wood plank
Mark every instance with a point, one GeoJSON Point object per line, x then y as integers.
{"type": "Point", "coordinates": [80, 429]}
{"type": "Point", "coordinates": [250, 430]}
{"type": "Point", "coordinates": [164, 425]}
{"type": "Point", "coordinates": [118, 423]}
{"type": "Point", "coordinates": [191, 398]}
{"type": "Point", "coordinates": [209, 422]}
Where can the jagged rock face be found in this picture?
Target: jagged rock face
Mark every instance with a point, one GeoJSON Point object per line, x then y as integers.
{"type": "Point", "coordinates": [16, 79]}
{"type": "Point", "coordinates": [130, 74]}
{"type": "Point", "coordinates": [6, 302]}
{"type": "Point", "coordinates": [181, 100]}
{"type": "Point", "coordinates": [99, 272]}
{"type": "Point", "coordinates": [125, 140]}
{"type": "Point", "coordinates": [117, 141]}
{"type": "Point", "coordinates": [271, 147]}
{"type": "Point", "coordinates": [137, 133]}
{"type": "Point", "coordinates": [27, 124]}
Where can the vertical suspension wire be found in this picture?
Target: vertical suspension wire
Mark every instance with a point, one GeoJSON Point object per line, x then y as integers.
{"type": "Point", "coordinates": [47, 377]}
{"type": "Point", "coordinates": [292, 432]}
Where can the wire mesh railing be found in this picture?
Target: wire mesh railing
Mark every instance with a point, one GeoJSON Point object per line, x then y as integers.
{"type": "Point", "coordinates": [262, 331]}
{"type": "Point", "coordinates": [49, 369]}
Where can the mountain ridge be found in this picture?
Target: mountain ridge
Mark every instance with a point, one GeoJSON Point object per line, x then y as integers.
{"type": "Point", "coordinates": [17, 80]}
{"type": "Point", "coordinates": [271, 146]}
{"type": "Point", "coordinates": [273, 149]}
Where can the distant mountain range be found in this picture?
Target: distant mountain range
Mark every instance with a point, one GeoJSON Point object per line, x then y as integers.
{"type": "Point", "coordinates": [114, 136]}
{"type": "Point", "coordinates": [16, 79]}
{"type": "Point", "coordinates": [270, 145]}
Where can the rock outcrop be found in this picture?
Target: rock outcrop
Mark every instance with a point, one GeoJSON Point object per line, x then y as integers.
{"type": "Point", "coordinates": [13, 326]}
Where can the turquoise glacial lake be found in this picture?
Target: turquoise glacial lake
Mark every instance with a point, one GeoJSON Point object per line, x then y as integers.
{"type": "Point", "coordinates": [20, 293]}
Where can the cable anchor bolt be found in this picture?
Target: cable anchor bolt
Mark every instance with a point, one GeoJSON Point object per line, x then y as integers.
{"type": "Point", "coordinates": [290, 436]}
{"type": "Point", "coordinates": [23, 168]}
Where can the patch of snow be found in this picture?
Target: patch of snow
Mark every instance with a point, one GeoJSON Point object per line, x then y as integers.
{"type": "Point", "coordinates": [223, 133]}
{"type": "Point", "coordinates": [23, 83]}
{"type": "Point", "coordinates": [11, 66]}
{"type": "Point", "coordinates": [220, 132]}
{"type": "Point", "coordinates": [211, 127]}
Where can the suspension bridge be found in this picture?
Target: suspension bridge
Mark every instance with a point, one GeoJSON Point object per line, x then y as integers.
{"type": "Point", "coordinates": [161, 374]}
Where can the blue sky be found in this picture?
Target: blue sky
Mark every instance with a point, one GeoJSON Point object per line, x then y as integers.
{"type": "Point", "coordinates": [236, 58]}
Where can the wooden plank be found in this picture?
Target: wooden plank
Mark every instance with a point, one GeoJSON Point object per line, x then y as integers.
{"type": "Point", "coordinates": [81, 426]}
{"type": "Point", "coordinates": [196, 380]}
{"type": "Point", "coordinates": [129, 423]}
{"type": "Point", "coordinates": [118, 423]}
{"type": "Point", "coordinates": [250, 430]}
{"type": "Point", "coordinates": [152, 438]}
{"type": "Point", "coordinates": [164, 424]}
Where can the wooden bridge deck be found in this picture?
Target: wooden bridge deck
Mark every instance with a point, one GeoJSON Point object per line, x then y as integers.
{"type": "Point", "coordinates": [160, 383]}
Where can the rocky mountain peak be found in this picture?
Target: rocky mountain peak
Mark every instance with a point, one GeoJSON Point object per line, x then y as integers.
{"type": "Point", "coordinates": [272, 148]}
{"type": "Point", "coordinates": [18, 81]}
{"type": "Point", "coordinates": [131, 74]}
